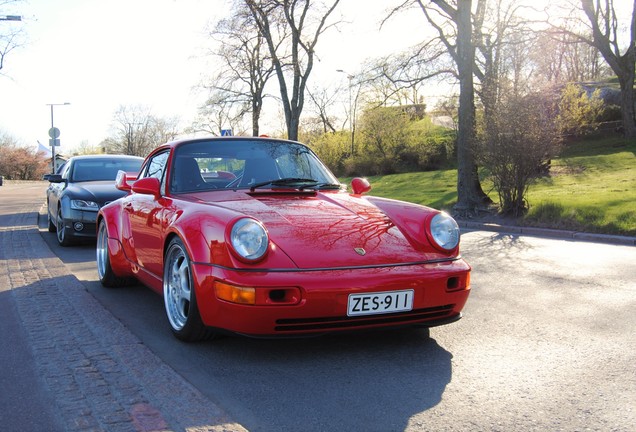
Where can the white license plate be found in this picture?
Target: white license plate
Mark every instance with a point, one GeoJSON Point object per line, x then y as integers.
{"type": "Point", "coordinates": [380, 302]}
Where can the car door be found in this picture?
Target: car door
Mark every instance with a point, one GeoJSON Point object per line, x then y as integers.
{"type": "Point", "coordinates": [55, 190]}
{"type": "Point", "coordinates": [144, 213]}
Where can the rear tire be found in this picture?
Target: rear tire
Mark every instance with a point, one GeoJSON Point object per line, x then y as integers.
{"type": "Point", "coordinates": [179, 295]}
{"type": "Point", "coordinates": [52, 227]}
{"type": "Point", "coordinates": [104, 270]}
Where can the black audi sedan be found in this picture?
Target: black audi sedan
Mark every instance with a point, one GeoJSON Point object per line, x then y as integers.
{"type": "Point", "coordinates": [75, 195]}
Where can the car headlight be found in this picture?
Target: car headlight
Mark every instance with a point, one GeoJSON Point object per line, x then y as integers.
{"type": "Point", "coordinates": [84, 205]}
{"type": "Point", "coordinates": [444, 231]}
{"type": "Point", "coordinates": [249, 239]}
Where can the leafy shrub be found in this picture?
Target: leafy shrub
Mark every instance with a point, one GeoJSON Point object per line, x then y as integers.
{"type": "Point", "coordinates": [519, 142]}
{"type": "Point", "coordinates": [578, 112]}
{"type": "Point", "coordinates": [332, 148]}
{"type": "Point", "coordinates": [387, 141]}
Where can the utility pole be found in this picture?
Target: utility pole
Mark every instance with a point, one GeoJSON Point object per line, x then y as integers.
{"type": "Point", "coordinates": [351, 114]}
{"type": "Point", "coordinates": [54, 134]}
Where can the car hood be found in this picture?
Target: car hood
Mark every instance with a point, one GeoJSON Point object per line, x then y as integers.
{"type": "Point", "coordinates": [101, 192]}
{"type": "Point", "coordinates": [326, 230]}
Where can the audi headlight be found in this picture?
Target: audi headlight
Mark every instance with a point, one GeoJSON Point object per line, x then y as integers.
{"type": "Point", "coordinates": [84, 205]}
{"type": "Point", "coordinates": [249, 239]}
{"type": "Point", "coordinates": [444, 231]}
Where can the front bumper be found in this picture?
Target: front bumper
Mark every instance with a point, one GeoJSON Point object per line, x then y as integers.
{"type": "Point", "coordinates": [81, 223]}
{"type": "Point", "coordinates": [440, 293]}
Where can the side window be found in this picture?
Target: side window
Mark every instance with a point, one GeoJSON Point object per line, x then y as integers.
{"type": "Point", "coordinates": [156, 168]}
{"type": "Point", "coordinates": [65, 170]}
{"type": "Point", "coordinates": [157, 165]}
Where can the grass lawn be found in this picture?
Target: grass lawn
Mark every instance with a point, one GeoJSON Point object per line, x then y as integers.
{"type": "Point", "coordinates": [591, 188]}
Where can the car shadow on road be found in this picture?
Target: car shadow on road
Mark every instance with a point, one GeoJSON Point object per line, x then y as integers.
{"type": "Point", "coordinates": [364, 381]}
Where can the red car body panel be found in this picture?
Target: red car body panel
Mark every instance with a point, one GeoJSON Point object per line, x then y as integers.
{"type": "Point", "coordinates": [323, 297]}
{"type": "Point", "coordinates": [324, 246]}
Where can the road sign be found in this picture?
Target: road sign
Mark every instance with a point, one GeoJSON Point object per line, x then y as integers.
{"type": "Point", "coordinates": [54, 132]}
{"type": "Point", "coordinates": [54, 142]}
{"type": "Point", "coordinates": [226, 132]}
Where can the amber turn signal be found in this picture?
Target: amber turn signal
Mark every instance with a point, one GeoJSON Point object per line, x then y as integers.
{"type": "Point", "coordinates": [235, 294]}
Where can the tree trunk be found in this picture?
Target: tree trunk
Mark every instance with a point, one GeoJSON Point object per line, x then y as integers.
{"type": "Point", "coordinates": [627, 102]}
{"type": "Point", "coordinates": [256, 115]}
{"type": "Point", "coordinates": [470, 196]}
{"type": "Point", "coordinates": [601, 16]}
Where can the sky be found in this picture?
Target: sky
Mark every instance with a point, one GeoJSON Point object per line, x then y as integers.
{"type": "Point", "coordinates": [99, 55]}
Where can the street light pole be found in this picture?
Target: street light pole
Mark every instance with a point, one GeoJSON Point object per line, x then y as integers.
{"type": "Point", "coordinates": [10, 18]}
{"type": "Point", "coordinates": [350, 77]}
{"type": "Point", "coordinates": [54, 135]}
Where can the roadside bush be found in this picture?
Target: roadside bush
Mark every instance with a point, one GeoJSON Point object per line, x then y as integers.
{"type": "Point", "coordinates": [20, 163]}
{"type": "Point", "coordinates": [579, 113]}
{"type": "Point", "coordinates": [521, 140]}
{"type": "Point", "coordinates": [435, 151]}
{"type": "Point", "coordinates": [332, 149]}
{"type": "Point", "coordinates": [387, 142]}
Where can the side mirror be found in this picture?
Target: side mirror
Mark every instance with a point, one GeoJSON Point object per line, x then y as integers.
{"type": "Point", "coordinates": [55, 178]}
{"type": "Point", "coordinates": [147, 186]}
{"type": "Point", "coordinates": [360, 185]}
{"type": "Point", "coordinates": [123, 179]}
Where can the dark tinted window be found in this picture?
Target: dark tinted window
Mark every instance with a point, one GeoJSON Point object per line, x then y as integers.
{"type": "Point", "coordinates": [101, 169]}
{"type": "Point", "coordinates": [218, 164]}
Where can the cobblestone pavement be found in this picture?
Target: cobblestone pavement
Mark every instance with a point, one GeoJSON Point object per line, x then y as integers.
{"type": "Point", "coordinates": [101, 377]}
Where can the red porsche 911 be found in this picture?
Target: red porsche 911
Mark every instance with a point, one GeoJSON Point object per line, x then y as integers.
{"type": "Point", "coordinates": [255, 236]}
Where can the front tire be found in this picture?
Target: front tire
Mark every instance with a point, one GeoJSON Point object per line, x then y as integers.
{"type": "Point", "coordinates": [107, 277]}
{"type": "Point", "coordinates": [63, 237]}
{"type": "Point", "coordinates": [179, 295]}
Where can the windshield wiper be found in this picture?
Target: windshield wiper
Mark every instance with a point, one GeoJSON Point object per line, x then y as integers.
{"type": "Point", "coordinates": [285, 182]}
{"type": "Point", "coordinates": [323, 186]}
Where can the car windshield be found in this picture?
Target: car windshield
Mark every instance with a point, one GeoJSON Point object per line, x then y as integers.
{"type": "Point", "coordinates": [248, 163]}
{"type": "Point", "coordinates": [102, 169]}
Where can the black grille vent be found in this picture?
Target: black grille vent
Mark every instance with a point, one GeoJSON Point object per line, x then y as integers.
{"type": "Point", "coordinates": [345, 322]}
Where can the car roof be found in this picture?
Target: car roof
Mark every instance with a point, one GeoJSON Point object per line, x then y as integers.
{"type": "Point", "coordinates": [105, 156]}
{"type": "Point", "coordinates": [179, 142]}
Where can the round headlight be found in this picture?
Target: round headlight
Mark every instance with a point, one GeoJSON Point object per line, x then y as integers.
{"type": "Point", "coordinates": [249, 239]}
{"type": "Point", "coordinates": [445, 231]}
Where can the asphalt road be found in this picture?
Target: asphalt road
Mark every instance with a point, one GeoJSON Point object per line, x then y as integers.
{"type": "Point", "coordinates": [547, 343]}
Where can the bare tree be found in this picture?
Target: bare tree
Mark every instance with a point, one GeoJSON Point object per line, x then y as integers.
{"type": "Point", "coordinates": [246, 64]}
{"type": "Point", "coordinates": [398, 79]}
{"type": "Point", "coordinates": [559, 57]}
{"type": "Point", "coordinates": [136, 131]}
{"type": "Point", "coordinates": [221, 110]}
{"type": "Point", "coordinates": [294, 26]}
{"type": "Point", "coordinates": [603, 18]}
{"type": "Point", "coordinates": [322, 100]}
{"type": "Point", "coordinates": [11, 30]}
{"type": "Point", "coordinates": [610, 27]}
{"type": "Point", "coordinates": [494, 22]}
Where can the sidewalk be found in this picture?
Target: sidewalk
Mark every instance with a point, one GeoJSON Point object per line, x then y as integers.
{"type": "Point", "coordinates": [101, 377]}
{"type": "Point", "coordinates": [547, 232]}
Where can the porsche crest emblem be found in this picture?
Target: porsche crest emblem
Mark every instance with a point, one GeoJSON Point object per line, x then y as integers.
{"type": "Point", "coordinates": [360, 251]}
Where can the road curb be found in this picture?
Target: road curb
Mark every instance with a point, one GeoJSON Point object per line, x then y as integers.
{"type": "Point", "coordinates": [548, 232]}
